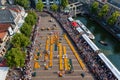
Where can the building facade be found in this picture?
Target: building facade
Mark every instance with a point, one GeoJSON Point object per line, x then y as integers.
{"type": "Point", "coordinates": [2, 2]}
{"type": "Point", "coordinates": [11, 19]}
{"type": "Point", "coordinates": [48, 3]}
{"type": "Point", "coordinates": [4, 37]}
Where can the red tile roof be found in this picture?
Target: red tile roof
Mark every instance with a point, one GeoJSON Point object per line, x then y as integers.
{"type": "Point", "coordinates": [4, 27]}
{"type": "Point", "coordinates": [16, 9]}
{"type": "Point", "coordinates": [2, 35]}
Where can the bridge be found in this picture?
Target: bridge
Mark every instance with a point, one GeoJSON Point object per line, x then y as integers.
{"type": "Point", "coordinates": [75, 8]}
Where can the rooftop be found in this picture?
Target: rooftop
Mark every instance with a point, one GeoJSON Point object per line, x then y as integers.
{"type": "Point", "coordinates": [6, 16]}
{"type": "Point", "coordinates": [2, 34]}
{"type": "Point", "coordinates": [15, 8]}
{"type": "Point", "coordinates": [4, 27]}
{"type": "Point", "coordinates": [115, 2]}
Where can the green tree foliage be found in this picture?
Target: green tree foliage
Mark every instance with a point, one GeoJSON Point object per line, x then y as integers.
{"type": "Point", "coordinates": [23, 3]}
{"type": "Point", "coordinates": [15, 58]}
{"type": "Point", "coordinates": [94, 7]}
{"type": "Point", "coordinates": [40, 6]}
{"type": "Point", "coordinates": [33, 13]}
{"type": "Point", "coordinates": [64, 3]}
{"type": "Point", "coordinates": [103, 10]}
{"type": "Point", "coordinates": [113, 18]}
{"type": "Point", "coordinates": [26, 29]}
{"type": "Point", "coordinates": [54, 7]}
{"type": "Point", "coordinates": [30, 19]}
{"type": "Point", "coordinates": [20, 40]}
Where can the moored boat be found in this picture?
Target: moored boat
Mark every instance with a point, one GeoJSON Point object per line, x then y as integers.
{"type": "Point", "coordinates": [103, 43]}
{"type": "Point", "coordinates": [89, 34]}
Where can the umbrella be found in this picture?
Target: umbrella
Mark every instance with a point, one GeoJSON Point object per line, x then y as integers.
{"type": "Point", "coordinates": [74, 24]}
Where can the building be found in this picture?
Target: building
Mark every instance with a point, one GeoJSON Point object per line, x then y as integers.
{"type": "Point", "coordinates": [48, 3]}
{"type": "Point", "coordinates": [5, 31]}
{"type": "Point", "coordinates": [115, 2]}
{"type": "Point", "coordinates": [11, 2]}
{"type": "Point", "coordinates": [2, 2]}
{"type": "Point", "coordinates": [14, 15]}
{"type": "Point", "coordinates": [11, 19]}
{"type": "Point", "coordinates": [21, 14]}
{"type": "Point", "coordinates": [102, 0]}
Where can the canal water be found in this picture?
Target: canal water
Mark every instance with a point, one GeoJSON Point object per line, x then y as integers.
{"type": "Point", "coordinates": [112, 51]}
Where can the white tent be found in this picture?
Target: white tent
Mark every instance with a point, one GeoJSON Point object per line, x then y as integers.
{"type": "Point", "coordinates": [79, 29]}
{"type": "Point", "coordinates": [92, 45]}
{"type": "Point", "coordinates": [70, 19]}
{"type": "Point", "coordinates": [110, 65]}
{"type": "Point", "coordinates": [3, 72]}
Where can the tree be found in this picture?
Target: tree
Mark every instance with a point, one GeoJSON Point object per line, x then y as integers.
{"type": "Point", "coordinates": [30, 20]}
{"type": "Point", "coordinates": [103, 10]}
{"type": "Point", "coordinates": [15, 58]}
{"type": "Point", "coordinates": [40, 6]}
{"type": "Point", "coordinates": [33, 13]}
{"type": "Point", "coordinates": [64, 3]}
{"type": "Point", "coordinates": [26, 30]}
{"type": "Point", "coordinates": [113, 18]}
{"type": "Point", "coordinates": [20, 40]}
{"type": "Point", "coordinates": [23, 3]}
{"type": "Point", "coordinates": [54, 7]}
{"type": "Point", "coordinates": [94, 7]}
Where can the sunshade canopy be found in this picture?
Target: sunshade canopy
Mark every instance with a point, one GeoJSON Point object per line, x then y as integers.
{"type": "Point", "coordinates": [74, 23]}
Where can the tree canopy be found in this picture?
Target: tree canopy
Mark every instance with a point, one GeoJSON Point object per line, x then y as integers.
{"type": "Point", "coordinates": [23, 3]}
{"type": "Point", "coordinates": [113, 18]}
{"type": "Point", "coordinates": [54, 7]}
{"type": "Point", "coordinates": [15, 58]}
{"type": "Point", "coordinates": [64, 3]}
{"type": "Point", "coordinates": [20, 40]}
{"type": "Point", "coordinates": [103, 10]}
{"type": "Point", "coordinates": [33, 13]}
{"type": "Point", "coordinates": [30, 19]}
{"type": "Point", "coordinates": [94, 7]}
{"type": "Point", "coordinates": [26, 29]}
{"type": "Point", "coordinates": [40, 6]}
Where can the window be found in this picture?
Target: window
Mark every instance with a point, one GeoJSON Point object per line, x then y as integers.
{"type": "Point", "coordinates": [51, 3]}
{"type": "Point", "coordinates": [3, 50]}
{"type": "Point", "coordinates": [43, 0]}
{"type": "Point", "coordinates": [51, 0]}
{"type": "Point", "coordinates": [118, 24]}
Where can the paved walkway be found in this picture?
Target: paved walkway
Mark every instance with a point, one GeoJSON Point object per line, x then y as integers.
{"type": "Point", "coordinates": [40, 41]}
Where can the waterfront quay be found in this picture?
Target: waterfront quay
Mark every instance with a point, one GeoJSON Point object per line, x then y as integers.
{"type": "Point", "coordinates": [62, 61]}
{"type": "Point", "coordinates": [97, 63]}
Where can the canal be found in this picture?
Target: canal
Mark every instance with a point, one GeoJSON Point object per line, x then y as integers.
{"type": "Point", "coordinates": [112, 51]}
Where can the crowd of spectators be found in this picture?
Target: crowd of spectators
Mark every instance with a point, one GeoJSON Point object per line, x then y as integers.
{"type": "Point", "coordinates": [90, 57]}
{"type": "Point", "coordinates": [27, 69]}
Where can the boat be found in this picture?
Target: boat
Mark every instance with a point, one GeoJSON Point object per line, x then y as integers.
{"type": "Point", "coordinates": [103, 43]}
{"type": "Point", "coordinates": [85, 29]}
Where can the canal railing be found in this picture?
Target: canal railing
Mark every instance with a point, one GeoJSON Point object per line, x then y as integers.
{"type": "Point", "coordinates": [92, 45]}
{"type": "Point", "coordinates": [110, 65]}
